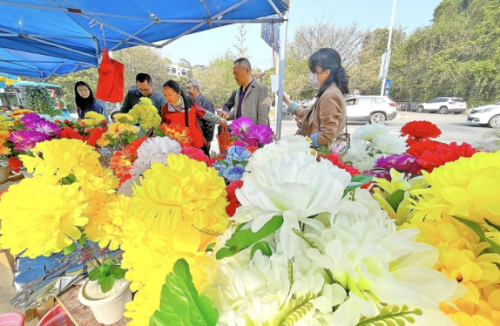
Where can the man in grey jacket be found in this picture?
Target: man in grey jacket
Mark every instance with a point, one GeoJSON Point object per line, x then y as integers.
{"type": "Point", "coordinates": [193, 90]}
{"type": "Point", "coordinates": [252, 99]}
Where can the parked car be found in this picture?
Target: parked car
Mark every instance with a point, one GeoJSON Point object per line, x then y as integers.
{"type": "Point", "coordinates": [443, 105]}
{"type": "Point", "coordinates": [487, 115]}
{"type": "Point", "coordinates": [374, 109]}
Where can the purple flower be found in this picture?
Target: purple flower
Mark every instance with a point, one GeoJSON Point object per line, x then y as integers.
{"type": "Point", "coordinates": [240, 126]}
{"type": "Point", "coordinates": [400, 162]}
{"type": "Point", "coordinates": [25, 140]}
{"type": "Point", "coordinates": [41, 125]}
{"type": "Point", "coordinates": [379, 174]}
{"type": "Point", "coordinates": [31, 118]}
{"type": "Point", "coordinates": [262, 133]}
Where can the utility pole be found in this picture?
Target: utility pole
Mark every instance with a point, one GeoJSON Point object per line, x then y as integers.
{"type": "Point", "coordinates": [387, 53]}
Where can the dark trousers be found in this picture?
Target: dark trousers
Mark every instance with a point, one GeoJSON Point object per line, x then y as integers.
{"type": "Point", "coordinates": [206, 150]}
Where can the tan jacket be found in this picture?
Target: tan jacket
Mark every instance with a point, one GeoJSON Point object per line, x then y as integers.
{"type": "Point", "coordinates": [328, 118]}
{"type": "Point", "coordinates": [255, 105]}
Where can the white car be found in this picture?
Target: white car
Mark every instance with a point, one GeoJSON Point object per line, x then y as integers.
{"type": "Point", "coordinates": [374, 109]}
{"type": "Point", "coordinates": [486, 115]}
{"type": "Point", "coordinates": [443, 105]}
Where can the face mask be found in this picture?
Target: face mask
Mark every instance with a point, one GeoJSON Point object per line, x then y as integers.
{"type": "Point", "coordinates": [313, 80]}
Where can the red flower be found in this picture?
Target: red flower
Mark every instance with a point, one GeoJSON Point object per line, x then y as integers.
{"type": "Point", "coordinates": [70, 134]}
{"type": "Point", "coordinates": [419, 131]}
{"type": "Point", "coordinates": [82, 124]}
{"type": "Point", "coordinates": [252, 149]}
{"type": "Point", "coordinates": [231, 197]}
{"type": "Point", "coordinates": [72, 125]}
{"type": "Point", "coordinates": [213, 160]}
{"type": "Point", "coordinates": [86, 130]}
{"type": "Point", "coordinates": [58, 121]}
{"type": "Point", "coordinates": [335, 159]}
{"type": "Point", "coordinates": [445, 153]}
{"type": "Point", "coordinates": [66, 121]}
{"type": "Point", "coordinates": [16, 122]}
{"type": "Point", "coordinates": [104, 122]}
{"type": "Point", "coordinates": [417, 149]}
{"type": "Point", "coordinates": [95, 135]}
{"type": "Point", "coordinates": [15, 164]}
{"type": "Point", "coordinates": [131, 149]}
{"type": "Point", "coordinates": [195, 154]}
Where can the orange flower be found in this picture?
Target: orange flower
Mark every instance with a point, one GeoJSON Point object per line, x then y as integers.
{"type": "Point", "coordinates": [120, 163]}
{"type": "Point", "coordinates": [177, 132]}
{"type": "Point", "coordinates": [131, 149]}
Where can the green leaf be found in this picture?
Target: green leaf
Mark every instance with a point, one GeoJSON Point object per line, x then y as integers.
{"type": "Point", "coordinates": [117, 272]}
{"type": "Point", "coordinates": [159, 132]}
{"type": "Point", "coordinates": [106, 283]}
{"type": "Point", "coordinates": [180, 303]}
{"type": "Point", "coordinates": [71, 178]}
{"type": "Point", "coordinates": [243, 239]}
{"type": "Point", "coordinates": [94, 275]}
{"type": "Point", "coordinates": [263, 247]}
{"type": "Point", "coordinates": [223, 162]}
{"type": "Point", "coordinates": [69, 249]}
{"type": "Point", "coordinates": [356, 182]}
{"type": "Point", "coordinates": [210, 247]}
{"type": "Point", "coordinates": [496, 227]}
{"type": "Point", "coordinates": [82, 239]}
{"type": "Point", "coordinates": [494, 247]}
{"type": "Point", "coordinates": [396, 198]}
{"type": "Point", "coordinates": [294, 310]}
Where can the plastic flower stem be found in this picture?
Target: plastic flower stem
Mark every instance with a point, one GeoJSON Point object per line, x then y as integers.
{"type": "Point", "coordinates": [314, 246]}
{"type": "Point", "coordinates": [93, 256]}
{"type": "Point", "coordinates": [290, 274]}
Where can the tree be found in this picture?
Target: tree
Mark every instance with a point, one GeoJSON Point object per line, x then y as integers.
{"type": "Point", "coordinates": [216, 80]}
{"type": "Point", "coordinates": [241, 50]}
{"type": "Point", "coordinates": [184, 63]}
{"type": "Point", "coordinates": [347, 40]}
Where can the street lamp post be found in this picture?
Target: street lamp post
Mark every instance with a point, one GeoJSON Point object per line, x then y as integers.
{"type": "Point", "coordinates": [388, 47]}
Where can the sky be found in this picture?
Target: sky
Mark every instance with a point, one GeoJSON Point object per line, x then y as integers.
{"type": "Point", "coordinates": [200, 48]}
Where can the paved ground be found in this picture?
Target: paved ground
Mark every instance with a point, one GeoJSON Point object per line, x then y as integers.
{"type": "Point", "coordinates": [454, 128]}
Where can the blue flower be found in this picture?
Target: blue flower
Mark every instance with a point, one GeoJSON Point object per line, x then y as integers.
{"type": "Point", "coordinates": [233, 173]}
{"type": "Point", "coordinates": [237, 153]}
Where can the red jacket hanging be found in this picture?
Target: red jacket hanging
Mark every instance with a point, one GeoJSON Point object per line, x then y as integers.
{"type": "Point", "coordinates": [111, 79]}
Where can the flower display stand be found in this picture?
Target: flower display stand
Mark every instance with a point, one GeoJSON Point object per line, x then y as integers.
{"type": "Point", "coordinates": [80, 314]}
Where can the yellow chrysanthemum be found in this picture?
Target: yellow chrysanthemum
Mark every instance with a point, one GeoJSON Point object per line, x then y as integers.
{"type": "Point", "coordinates": [123, 117]}
{"type": "Point", "coordinates": [145, 114]}
{"type": "Point", "coordinates": [460, 259]}
{"type": "Point", "coordinates": [5, 124]}
{"type": "Point", "coordinates": [177, 213]}
{"type": "Point", "coordinates": [61, 157]}
{"type": "Point", "coordinates": [95, 117]}
{"type": "Point", "coordinates": [89, 123]}
{"type": "Point", "coordinates": [41, 216]}
{"type": "Point", "coordinates": [4, 135]}
{"type": "Point", "coordinates": [118, 128]}
{"type": "Point", "coordinates": [468, 188]}
{"type": "Point", "coordinates": [4, 150]}
{"type": "Point", "coordinates": [106, 216]}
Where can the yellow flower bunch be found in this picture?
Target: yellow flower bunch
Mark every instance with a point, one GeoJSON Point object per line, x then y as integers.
{"type": "Point", "coordinates": [383, 191]}
{"type": "Point", "coordinates": [4, 135]}
{"type": "Point", "coordinates": [145, 114]}
{"type": "Point", "coordinates": [468, 188]}
{"type": "Point", "coordinates": [61, 157]}
{"type": "Point", "coordinates": [116, 131]}
{"type": "Point", "coordinates": [67, 205]}
{"type": "Point", "coordinates": [94, 116]}
{"type": "Point", "coordinates": [5, 124]}
{"type": "Point", "coordinates": [178, 210]}
{"type": "Point", "coordinates": [123, 118]}
{"type": "Point", "coordinates": [41, 216]}
{"type": "Point", "coordinates": [460, 259]}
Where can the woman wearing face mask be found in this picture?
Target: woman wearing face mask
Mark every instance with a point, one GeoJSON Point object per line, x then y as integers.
{"type": "Point", "coordinates": [85, 100]}
{"type": "Point", "coordinates": [175, 112]}
{"type": "Point", "coordinates": [325, 120]}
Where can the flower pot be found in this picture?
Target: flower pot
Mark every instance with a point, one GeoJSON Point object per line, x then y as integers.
{"type": "Point", "coordinates": [107, 310]}
{"type": "Point", "coordinates": [4, 174]}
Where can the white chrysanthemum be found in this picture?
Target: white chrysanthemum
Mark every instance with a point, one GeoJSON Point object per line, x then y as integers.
{"type": "Point", "coordinates": [290, 145]}
{"type": "Point", "coordinates": [295, 187]}
{"type": "Point", "coordinates": [388, 144]}
{"type": "Point", "coordinates": [156, 150]}
{"type": "Point", "coordinates": [370, 131]}
{"type": "Point", "coordinates": [493, 145]}
{"type": "Point", "coordinates": [377, 264]}
{"type": "Point", "coordinates": [359, 155]}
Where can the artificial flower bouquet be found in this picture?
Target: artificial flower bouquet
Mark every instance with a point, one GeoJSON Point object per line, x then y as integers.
{"type": "Point", "coordinates": [89, 129]}
{"type": "Point", "coordinates": [145, 114]}
{"type": "Point", "coordinates": [175, 131]}
{"type": "Point", "coordinates": [232, 165]}
{"type": "Point", "coordinates": [244, 133]}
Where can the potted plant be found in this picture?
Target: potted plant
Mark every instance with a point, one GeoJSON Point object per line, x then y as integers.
{"type": "Point", "coordinates": [106, 291]}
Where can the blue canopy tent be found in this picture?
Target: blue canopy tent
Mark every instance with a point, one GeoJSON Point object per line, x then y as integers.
{"type": "Point", "coordinates": [43, 38]}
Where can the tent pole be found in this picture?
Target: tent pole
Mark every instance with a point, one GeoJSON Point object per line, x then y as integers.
{"type": "Point", "coordinates": [53, 71]}
{"type": "Point", "coordinates": [136, 33]}
{"type": "Point", "coordinates": [283, 32]}
{"type": "Point", "coordinates": [271, 3]}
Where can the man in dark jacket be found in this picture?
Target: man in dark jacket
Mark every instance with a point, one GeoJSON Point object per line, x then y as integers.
{"type": "Point", "coordinates": [144, 88]}
{"type": "Point", "coordinates": [230, 102]}
{"type": "Point", "coordinates": [193, 90]}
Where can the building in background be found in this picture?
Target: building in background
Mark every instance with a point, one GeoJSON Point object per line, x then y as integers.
{"type": "Point", "coordinates": [178, 71]}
